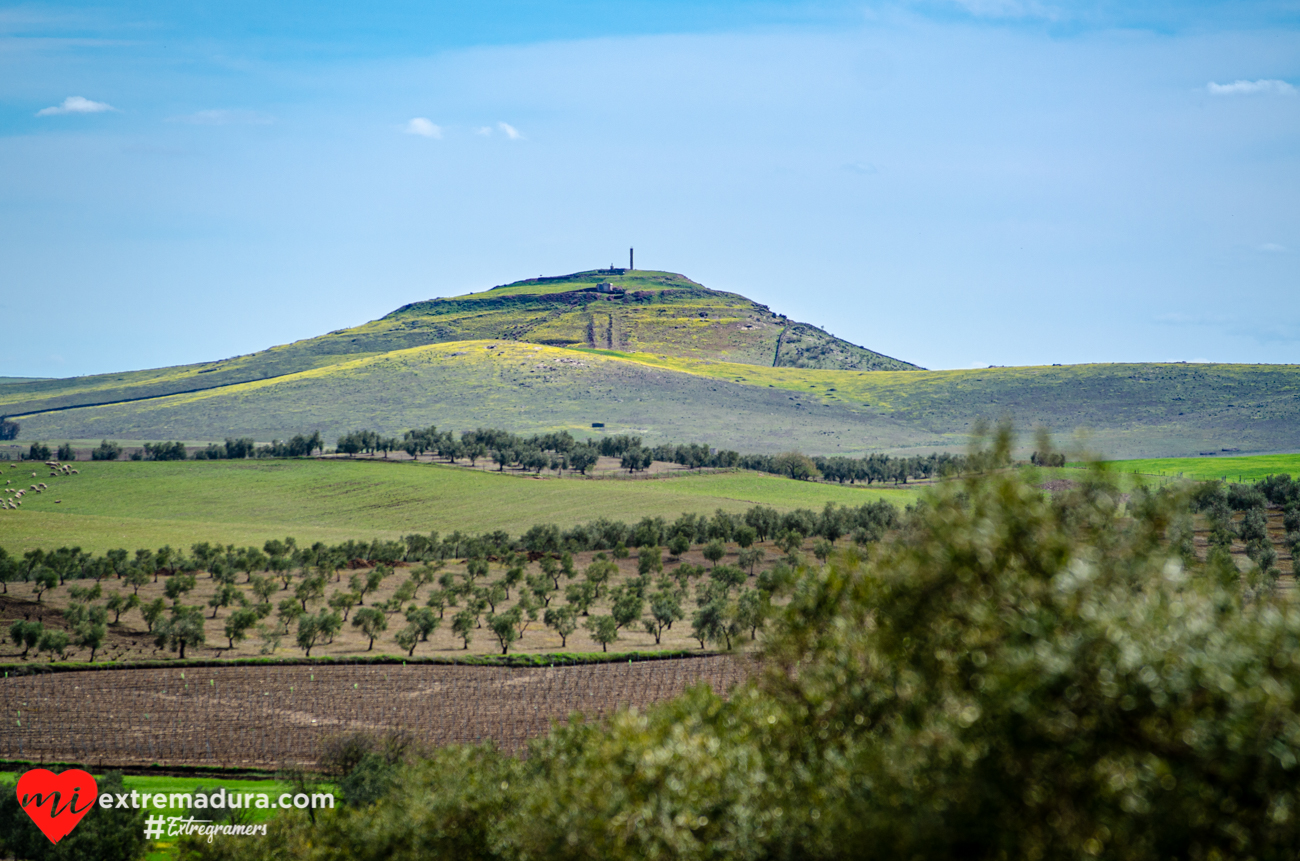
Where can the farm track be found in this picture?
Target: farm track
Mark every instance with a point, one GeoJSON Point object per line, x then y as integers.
{"type": "Point", "coordinates": [269, 717]}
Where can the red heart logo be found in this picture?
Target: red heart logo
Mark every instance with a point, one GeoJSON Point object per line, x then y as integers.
{"type": "Point", "coordinates": [55, 801]}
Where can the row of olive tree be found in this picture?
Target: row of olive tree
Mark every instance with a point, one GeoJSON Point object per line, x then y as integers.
{"type": "Point", "coordinates": [233, 449]}
{"type": "Point", "coordinates": [560, 451]}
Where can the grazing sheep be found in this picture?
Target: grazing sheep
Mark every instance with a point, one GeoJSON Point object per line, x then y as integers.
{"type": "Point", "coordinates": [76, 472]}
{"type": "Point", "coordinates": [57, 501]}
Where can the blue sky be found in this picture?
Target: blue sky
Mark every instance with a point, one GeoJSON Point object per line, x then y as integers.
{"type": "Point", "coordinates": [952, 183]}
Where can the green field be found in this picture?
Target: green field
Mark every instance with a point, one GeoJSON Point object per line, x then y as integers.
{"type": "Point", "coordinates": [146, 504]}
{"type": "Point", "coordinates": [1244, 469]}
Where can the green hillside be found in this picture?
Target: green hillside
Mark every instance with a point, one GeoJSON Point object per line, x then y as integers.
{"type": "Point", "coordinates": [1121, 410]}
{"type": "Point", "coordinates": [527, 388]}
{"type": "Point", "coordinates": [1125, 410]}
{"type": "Point", "coordinates": [649, 311]}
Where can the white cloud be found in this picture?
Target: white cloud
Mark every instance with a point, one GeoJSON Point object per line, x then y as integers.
{"type": "Point", "coordinates": [423, 127]}
{"type": "Point", "coordinates": [76, 105]}
{"type": "Point", "coordinates": [510, 131]}
{"type": "Point", "coordinates": [486, 131]}
{"type": "Point", "coordinates": [225, 118]}
{"type": "Point", "coordinates": [1251, 88]}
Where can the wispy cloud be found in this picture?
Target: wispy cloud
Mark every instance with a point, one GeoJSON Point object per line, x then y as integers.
{"type": "Point", "coordinates": [1007, 9]}
{"type": "Point", "coordinates": [1179, 318]}
{"type": "Point", "coordinates": [859, 167]}
{"type": "Point", "coordinates": [154, 150]}
{"type": "Point", "coordinates": [1271, 248]}
{"type": "Point", "coordinates": [1251, 88]}
{"type": "Point", "coordinates": [423, 127]}
{"type": "Point", "coordinates": [76, 105]}
{"type": "Point", "coordinates": [510, 131]}
{"type": "Point", "coordinates": [486, 131]}
{"type": "Point", "coordinates": [225, 118]}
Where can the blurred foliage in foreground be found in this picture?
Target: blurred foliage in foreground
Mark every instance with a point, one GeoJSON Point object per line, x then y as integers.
{"type": "Point", "coordinates": [1012, 675]}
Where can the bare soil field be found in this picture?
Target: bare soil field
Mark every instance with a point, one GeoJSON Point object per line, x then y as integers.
{"type": "Point", "coordinates": [269, 717]}
{"type": "Point", "coordinates": [1276, 534]}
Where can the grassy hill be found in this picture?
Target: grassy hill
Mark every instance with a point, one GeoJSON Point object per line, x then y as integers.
{"type": "Point", "coordinates": [656, 312]}
{"type": "Point", "coordinates": [652, 311]}
{"type": "Point", "coordinates": [527, 388]}
{"type": "Point", "coordinates": [656, 354]}
{"type": "Point", "coordinates": [1126, 410]}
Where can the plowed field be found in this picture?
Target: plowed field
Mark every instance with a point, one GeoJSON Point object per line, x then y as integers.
{"type": "Point", "coordinates": [267, 717]}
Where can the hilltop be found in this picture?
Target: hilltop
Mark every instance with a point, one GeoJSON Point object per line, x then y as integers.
{"type": "Point", "coordinates": [646, 312]}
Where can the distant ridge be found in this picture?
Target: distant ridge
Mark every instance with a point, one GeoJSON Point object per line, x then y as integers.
{"type": "Point", "coordinates": [657, 355]}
